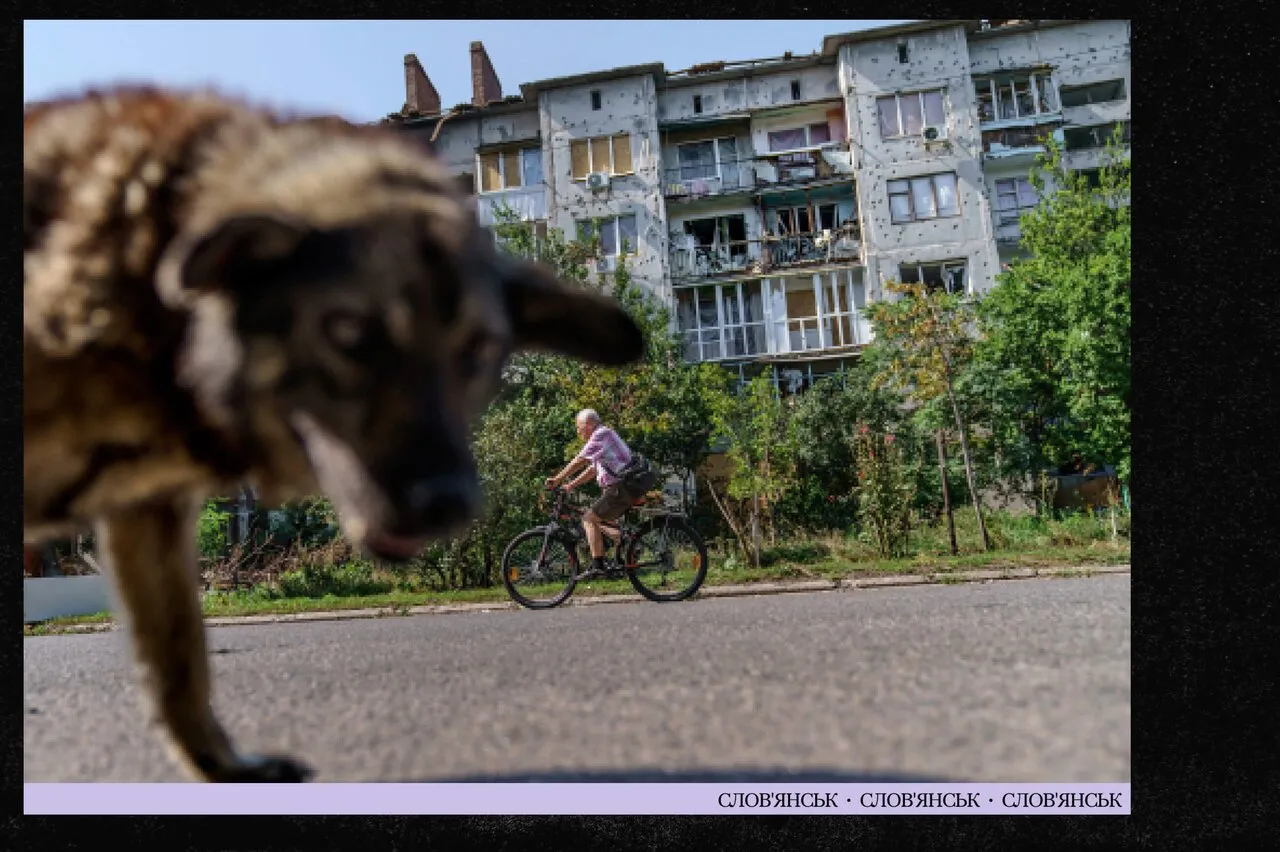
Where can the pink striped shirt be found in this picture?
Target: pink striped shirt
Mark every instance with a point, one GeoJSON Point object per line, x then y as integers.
{"type": "Point", "coordinates": [607, 451]}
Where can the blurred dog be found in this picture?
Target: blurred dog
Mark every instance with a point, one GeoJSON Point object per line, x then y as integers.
{"type": "Point", "coordinates": [217, 294]}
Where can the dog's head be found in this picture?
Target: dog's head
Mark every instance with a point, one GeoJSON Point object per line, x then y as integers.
{"type": "Point", "coordinates": [354, 356]}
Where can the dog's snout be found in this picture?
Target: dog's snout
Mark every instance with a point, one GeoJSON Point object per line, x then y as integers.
{"type": "Point", "coordinates": [445, 500]}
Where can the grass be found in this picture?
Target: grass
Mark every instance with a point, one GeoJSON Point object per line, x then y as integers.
{"type": "Point", "coordinates": [1020, 542]}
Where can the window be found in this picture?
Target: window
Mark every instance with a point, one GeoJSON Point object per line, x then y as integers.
{"type": "Point", "coordinates": [595, 99]}
{"type": "Point", "coordinates": [796, 220]}
{"type": "Point", "coordinates": [1003, 97]}
{"type": "Point", "coordinates": [917, 199]}
{"type": "Point", "coordinates": [709, 159]}
{"type": "Point", "coordinates": [1096, 136]}
{"type": "Point", "coordinates": [1013, 196]}
{"type": "Point", "coordinates": [510, 169]}
{"type": "Point", "coordinates": [815, 312]}
{"type": "Point", "coordinates": [1092, 177]}
{"type": "Point", "coordinates": [795, 90]}
{"type": "Point", "coordinates": [1094, 93]}
{"type": "Point", "coordinates": [724, 321]}
{"type": "Point", "coordinates": [710, 246]}
{"type": "Point", "coordinates": [610, 154]}
{"type": "Point", "coordinates": [697, 103]}
{"type": "Point", "coordinates": [948, 274]}
{"type": "Point", "coordinates": [614, 232]}
{"type": "Point", "coordinates": [904, 55]}
{"type": "Point", "coordinates": [909, 114]}
{"type": "Point", "coordinates": [799, 137]}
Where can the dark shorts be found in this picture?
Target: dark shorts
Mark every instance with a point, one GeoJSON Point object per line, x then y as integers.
{"type": "Point", "coordinates": [614, 501]}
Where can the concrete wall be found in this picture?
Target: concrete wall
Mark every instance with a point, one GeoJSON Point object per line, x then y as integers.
{"type": "Point", "coordinates": [936, 60]}
{"type": "Point", "coordinates": [628, 105]}
{"type": "Point", "coordinates": [1079, 54]}
{"type": "Point", "coordinates": [725, 93]}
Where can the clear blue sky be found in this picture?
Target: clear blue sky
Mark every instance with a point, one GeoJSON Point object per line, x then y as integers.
{"type": "Point", "coordinates": [356, 68]}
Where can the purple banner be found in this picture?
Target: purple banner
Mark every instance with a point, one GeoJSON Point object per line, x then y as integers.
{"type": "Point", "coordinates": [574, 799]}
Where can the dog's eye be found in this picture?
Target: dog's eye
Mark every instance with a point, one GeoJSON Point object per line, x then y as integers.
{"type": "Point", "coordinates": [346, 329]}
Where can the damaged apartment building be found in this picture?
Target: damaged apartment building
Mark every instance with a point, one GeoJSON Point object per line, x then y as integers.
{"type": "Point", "coordinates": [766, 202]}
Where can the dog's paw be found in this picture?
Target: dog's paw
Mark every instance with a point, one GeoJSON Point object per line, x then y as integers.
{"type": "Point", "coordinates": [263, 768]}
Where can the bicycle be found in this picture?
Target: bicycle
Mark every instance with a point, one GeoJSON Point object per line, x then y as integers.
{"type": "Point", "coordinates": [557, 541]}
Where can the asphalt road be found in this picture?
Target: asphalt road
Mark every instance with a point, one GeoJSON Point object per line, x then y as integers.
{"type": "Point", "coordinates": [1008, 681]}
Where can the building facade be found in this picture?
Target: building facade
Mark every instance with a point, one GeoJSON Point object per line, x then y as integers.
{"type": "Point", "coordinates": [767, 202]}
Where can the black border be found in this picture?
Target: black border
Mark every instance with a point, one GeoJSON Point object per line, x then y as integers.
{"type": "Point", "coordinates": [1204, 732]}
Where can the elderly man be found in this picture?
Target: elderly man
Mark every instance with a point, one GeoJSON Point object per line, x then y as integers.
{"type": "Point", "coordinates": [603, 456]}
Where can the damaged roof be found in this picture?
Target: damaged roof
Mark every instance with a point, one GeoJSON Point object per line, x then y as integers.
{"type": "Point", "coordinates": [530, 90]}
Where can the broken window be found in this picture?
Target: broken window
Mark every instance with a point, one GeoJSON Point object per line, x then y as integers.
{"type": "Point", "coordinates": [719, 244]}
{"type": "Point", "coordinates": [1093, 93]}
{"type": "Point", "coordinates": [1014, 196]}
{"type": "Point", "coordinates": [697, 103]}
{"type": "Point", "coordinates": [609, 154]}
{"type": "Point", "coordinates": [1095, 136]}
{"type": "Point", "coordinates": [798, 138]}
{"type": "Point", "coordinates": [595, 99]}
{"type": "Point", "coordinates": [795, 90]}
{"type": "Point", "coordinates": [928, 197]}
{"type": "Point", "coordinates": [908, 114]}
{"type": "Point", "coordinates": [708, 159]}
{"type": "Point", "coordinates": [724, 321]}
{"type": "Point", "coordinates": [510, 169]}
{"type": "Point", "coordinates": [947, 275]}
{"type": "Point", "coordinates": [903, 54]}
{"type": "Point", "coordinates": [1008, 96]}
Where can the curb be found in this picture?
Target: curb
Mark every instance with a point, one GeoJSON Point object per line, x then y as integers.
{"type": "Point", "coordinates": [984, 575]}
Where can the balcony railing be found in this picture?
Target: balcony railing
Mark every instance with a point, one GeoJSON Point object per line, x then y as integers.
{"type": "Point", "coordinates": [1010, 141]}
{"type": "Point", "coordinates": [762, 256]}
{"type": "Point", "coordinates": [752, 173]}
{"type": "Point", "coordinates": [528, 204]}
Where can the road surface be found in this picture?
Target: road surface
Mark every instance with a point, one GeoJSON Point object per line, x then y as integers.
{"type": "Point", "coordinates": [1022, 680]}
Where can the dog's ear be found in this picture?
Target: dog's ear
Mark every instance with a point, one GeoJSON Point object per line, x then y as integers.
{"type": "Point", "coordinates": [548, 315]}
{"type": "Point", "coordinates": [233, 252]}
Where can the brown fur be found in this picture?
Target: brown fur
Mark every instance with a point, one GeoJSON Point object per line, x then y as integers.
{"type": "Point", "coordinates": [216, 294]}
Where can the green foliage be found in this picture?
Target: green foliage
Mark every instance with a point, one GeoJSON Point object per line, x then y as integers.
{"type": "Point", "coordinates": [211, 531]}
{"type": "Point", "coordinates": [1055, 355]}
{"type": "Point", "coordinates": [885, 491]}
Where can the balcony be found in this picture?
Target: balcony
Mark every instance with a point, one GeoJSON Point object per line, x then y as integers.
{"type": "Point", "coordinates": [746, 258]}
{"type": "Point", "coordinates": [1015, 144]}
{"type": "Point", "coordinates": [750, 174]}
{"type": "Point", "coordinates": [528, 203]}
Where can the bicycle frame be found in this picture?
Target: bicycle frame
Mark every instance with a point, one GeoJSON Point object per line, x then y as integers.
{"type": "Point", "coordinates": [562, 510]}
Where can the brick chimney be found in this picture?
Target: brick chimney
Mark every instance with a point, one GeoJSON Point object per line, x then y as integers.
{"type": "Point", "coordinates": [485, 88]}
{"type": "Point", "coordinates": [420, 96]}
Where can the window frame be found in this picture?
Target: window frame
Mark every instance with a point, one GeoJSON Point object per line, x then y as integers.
{"type": "Point", "coordinates": [924, 112]}
{"type": "Point", "coordinates": [502, 169]}
{"type": "Point", "coordinates": [613, 221]}
{"type": "Point", "coordinates": [910, 195]}
{"type": "Point", "coordinates": [590, 149]}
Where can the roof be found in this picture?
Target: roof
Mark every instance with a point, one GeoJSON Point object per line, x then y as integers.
{"type": "Point", "coordinates": [831, 44]}
{"type": "Point", "coordinates": [530, 90]}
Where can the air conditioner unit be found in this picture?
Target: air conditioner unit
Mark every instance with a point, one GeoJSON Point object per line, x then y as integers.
{"type": "Point", "coordinates": [934, 133]}
{"type": "Point", "coordinates": [598, 180]}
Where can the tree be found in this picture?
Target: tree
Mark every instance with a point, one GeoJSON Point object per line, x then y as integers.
{"type": "Point", "coordinates": [924, 340]}
{"type": "Point", "coordinates": [756, 425]}
{"type": "Point", "coordinates": [1055, 349]}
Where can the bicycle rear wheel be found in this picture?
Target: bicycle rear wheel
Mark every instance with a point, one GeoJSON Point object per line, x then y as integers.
{"type": "Point", "coordinates": [667, 560]}
{"type": "Point", "coordinates": [539, 570]}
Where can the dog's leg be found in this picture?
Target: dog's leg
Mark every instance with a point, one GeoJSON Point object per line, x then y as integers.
{"type": "Point", "coordinates": [150, 552]}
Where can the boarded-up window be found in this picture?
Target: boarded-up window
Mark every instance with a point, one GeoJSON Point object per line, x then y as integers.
{"type": "Point", "coordinates": [581, 158]}
{"type": "Point", "coordinates": [490, 176]}
{"type": "Point", "coordinates": [622, 155]}
{"type": "Point", "coordinates": [511, 169]}
{"type": "Point", "coordinates": [600, 154]}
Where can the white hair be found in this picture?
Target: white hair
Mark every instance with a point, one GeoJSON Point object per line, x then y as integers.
{"type": "Point", "coordinates": [588, 415]}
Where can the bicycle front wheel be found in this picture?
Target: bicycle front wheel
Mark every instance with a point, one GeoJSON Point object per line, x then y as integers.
{"type": "Point", "coordinates": [539, 570]}
{"type": "Point", "coordinates": [667, 560]}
